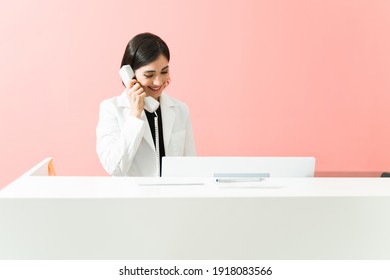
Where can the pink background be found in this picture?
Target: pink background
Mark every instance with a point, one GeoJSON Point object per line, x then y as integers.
{"type": "Point", "coordinates": [262, 78]}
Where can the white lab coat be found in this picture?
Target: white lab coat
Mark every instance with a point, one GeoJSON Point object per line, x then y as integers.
{"type": "Point", "coordinates": [124, 143]}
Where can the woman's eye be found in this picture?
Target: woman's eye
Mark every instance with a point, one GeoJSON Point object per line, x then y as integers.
{"type": "Point", "coordinates": [166, 72]}
{"type": "Point", "coordinates": [148, 76]}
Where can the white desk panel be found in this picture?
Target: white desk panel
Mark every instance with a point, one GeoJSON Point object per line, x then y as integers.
{"type": "Point", "coordinates": [119, 218]}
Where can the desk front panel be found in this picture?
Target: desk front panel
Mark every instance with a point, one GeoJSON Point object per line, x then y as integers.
{"type": "Point", "coordinates": [196, 228]}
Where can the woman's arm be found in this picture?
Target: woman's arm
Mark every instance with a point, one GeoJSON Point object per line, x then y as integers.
{"type": "Point", "coordinates": [117, 146]}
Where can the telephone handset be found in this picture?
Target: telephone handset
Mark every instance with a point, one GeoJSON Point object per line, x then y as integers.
{"type": "Point", "coordinates": [150, 105]}
{"type": "Point", "coordinates": [127, 74]}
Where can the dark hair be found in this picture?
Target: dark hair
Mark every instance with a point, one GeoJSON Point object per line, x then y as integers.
{"type": "Point", "coordinates": [143, 49]}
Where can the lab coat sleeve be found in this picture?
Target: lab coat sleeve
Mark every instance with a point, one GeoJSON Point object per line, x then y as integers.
{"type": "Point", "coordinates": [115, 145]}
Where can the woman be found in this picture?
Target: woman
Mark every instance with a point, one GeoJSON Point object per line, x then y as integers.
{"type": "Point", "coordinates": [127, 142]}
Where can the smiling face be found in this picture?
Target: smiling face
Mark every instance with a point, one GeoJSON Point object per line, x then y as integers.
{"type": "Point", "coordinates": [154, 76]}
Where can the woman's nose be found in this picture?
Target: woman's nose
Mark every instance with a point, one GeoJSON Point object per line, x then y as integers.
{"type": "Point", "coordinates": [158, 81]}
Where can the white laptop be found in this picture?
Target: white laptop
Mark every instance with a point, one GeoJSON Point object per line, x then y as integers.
{"type": "Point", "coordinates": [209, 166]}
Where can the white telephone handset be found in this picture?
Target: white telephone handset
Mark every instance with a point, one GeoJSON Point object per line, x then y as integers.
{"type": "Point", "coordinates": [127, 74]}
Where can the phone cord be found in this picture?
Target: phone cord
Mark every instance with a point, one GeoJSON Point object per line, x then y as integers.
{"type": "Point", "coordinates": [157, 144]}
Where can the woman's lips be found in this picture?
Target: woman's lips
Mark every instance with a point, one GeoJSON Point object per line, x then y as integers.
{"type": "Point", "coordinates": [155, 88]}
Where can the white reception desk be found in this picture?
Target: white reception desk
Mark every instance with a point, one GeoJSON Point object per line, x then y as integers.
{"type": "Point", "coordinates": [194, 218]}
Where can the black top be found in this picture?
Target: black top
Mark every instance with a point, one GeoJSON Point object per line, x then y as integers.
{"type": "Point", "coordinates": [150, 117]}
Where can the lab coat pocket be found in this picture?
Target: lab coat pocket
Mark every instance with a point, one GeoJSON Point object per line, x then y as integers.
{"type": "Point", "coordinates": [177, 142]}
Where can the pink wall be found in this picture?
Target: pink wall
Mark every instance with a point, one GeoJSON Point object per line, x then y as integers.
{"type": "Point", "coordinates": [262, 78]}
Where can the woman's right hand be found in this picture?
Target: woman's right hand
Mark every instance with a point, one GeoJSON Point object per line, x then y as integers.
{"type": "Point", "coordinates": [136, 95]}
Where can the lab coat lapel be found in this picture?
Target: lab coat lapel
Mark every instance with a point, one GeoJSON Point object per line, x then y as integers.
{"type": "Point", "coordinates": [148, 134]}
{"type": "Point", "coordinates": [168, 116]}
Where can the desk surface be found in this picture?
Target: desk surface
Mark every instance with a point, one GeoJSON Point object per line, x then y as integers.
{"type": "Point", "coordinates": [128, 187]}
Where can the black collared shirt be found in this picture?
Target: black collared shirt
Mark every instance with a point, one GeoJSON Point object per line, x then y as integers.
{"type": "Point", "coordinates": [150, 117]}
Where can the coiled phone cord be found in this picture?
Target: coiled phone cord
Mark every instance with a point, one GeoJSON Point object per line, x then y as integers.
{"type": "Point", "coordinates": [157, 144]}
